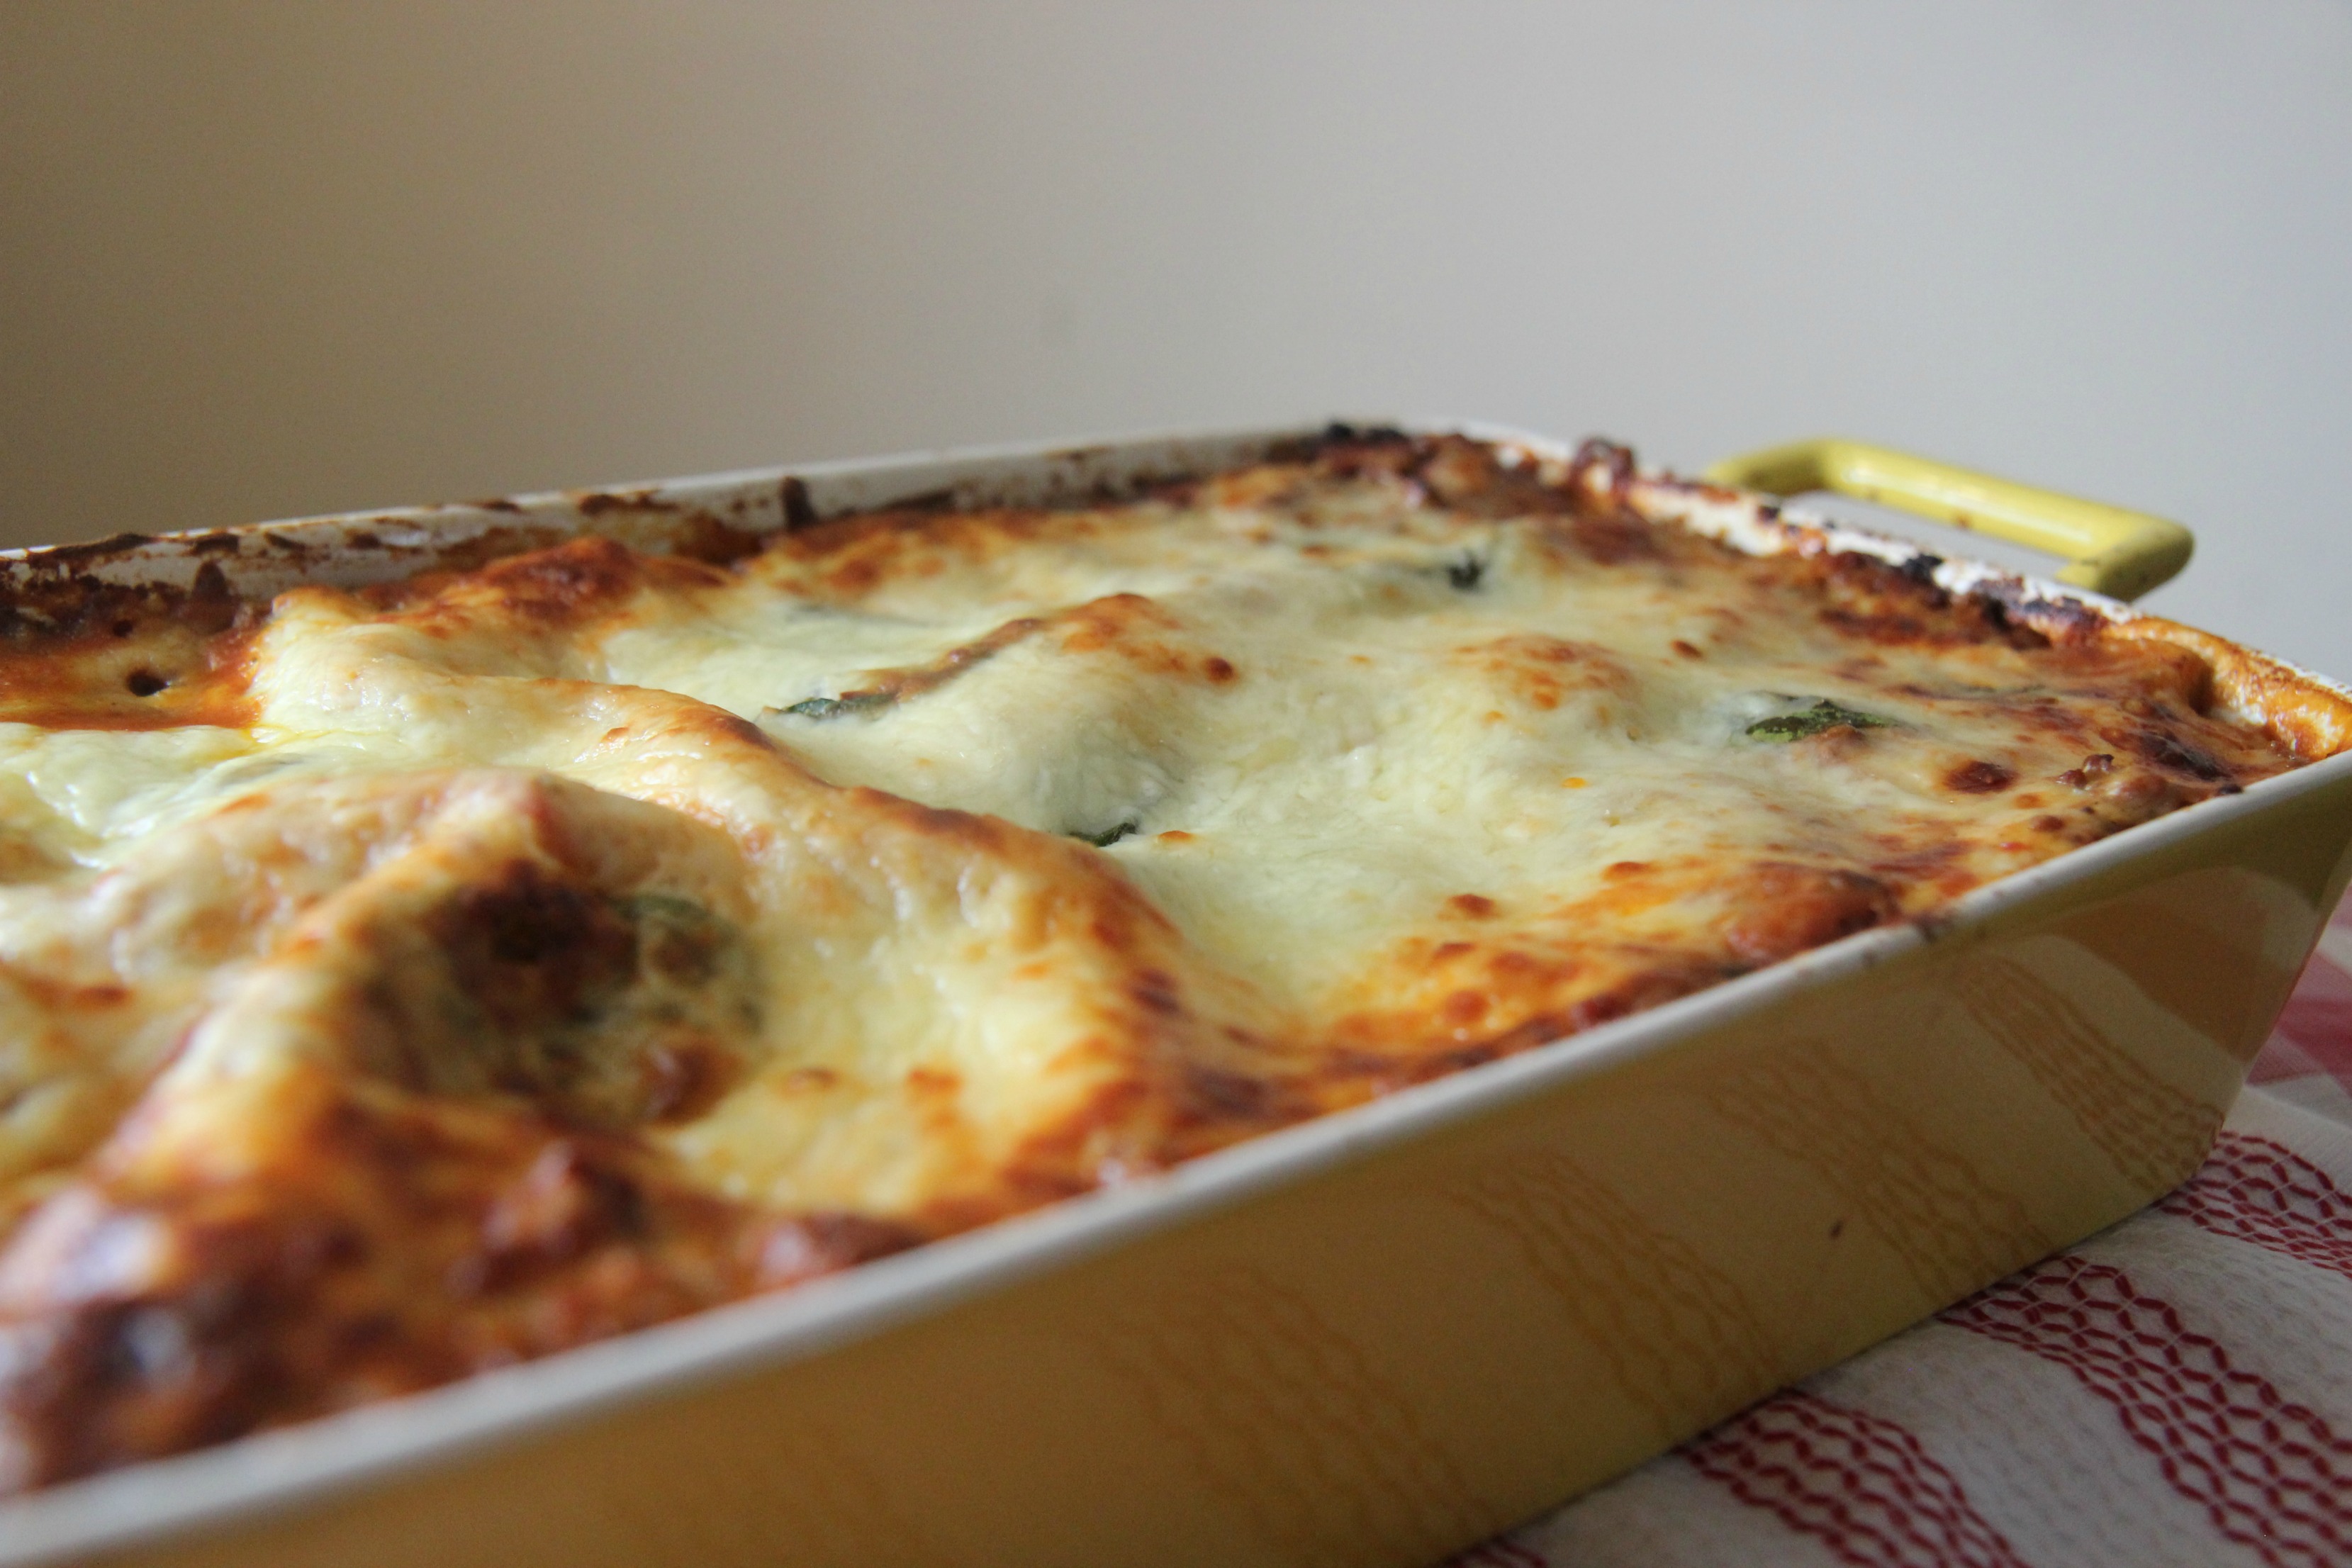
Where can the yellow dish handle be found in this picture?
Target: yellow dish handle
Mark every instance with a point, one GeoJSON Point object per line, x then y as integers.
{"type": "Point", "coordinates": [2107, 550]}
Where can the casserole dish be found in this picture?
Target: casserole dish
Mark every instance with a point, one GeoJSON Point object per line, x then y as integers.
{"type": "Point", "coordinates": [1352, 1339]}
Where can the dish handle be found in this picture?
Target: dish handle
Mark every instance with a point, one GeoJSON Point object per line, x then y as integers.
{"type": "Point", "coordinates": [2107, 549]}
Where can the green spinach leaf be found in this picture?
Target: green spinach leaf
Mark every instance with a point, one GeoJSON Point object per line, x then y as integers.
{"type": "Point", "coordinates": [1822, 715]}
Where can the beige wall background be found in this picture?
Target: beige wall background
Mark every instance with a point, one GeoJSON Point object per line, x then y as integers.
{"type": "Point", "coordinates": [259, 259]}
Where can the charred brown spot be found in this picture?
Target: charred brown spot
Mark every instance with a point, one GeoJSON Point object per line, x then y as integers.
{"type": "Point", "coordinates": [1342, 449]}
{"type": "Point", "coordinates": [1686, 650]}
{"type": "Point", "coordinates": [2169, 751]}
{"type": "Point", "coordinates": [793, 496]}
{"type": "Point", "coordinates": [1652, 988]}
{"type": "Point", "coordinates": [598, 1011]}
{"type": "Point", "coordinates": [1218, 1092]}
{"type": "Point", "coordinates": [1784, 910]}
{"type": "Point", "coordinates": [1155, 991]}
{"type": "Point", "coordinates": [532, 946]}
{"type": "Point", "coordinates": [1218, 670]}
{"type": "Point", "coordinates": [1615, 539]}
{"type": "Point", "coordinates": [1877, 602]}
{"type": "Point", "coordinates": [2093, 767]}
{"type": "Point", "coordinates": [700, 536]}
{"type": "Point", "coordinates": [1467, 477]}
{"type": "Point", "coordinates": [1979, 777]}
{"type": "Point", "coordinates": [558, 584]}
{"type": "Point", "coordinates": [2013, 604]}
{"type": "Point", "coordinates": [598, 502]}
{"type": "Point", "coordinates": [1605, 467]}
{"type": "Point", "coordinates": [211, 608]}
{"type": "Point", "coordinates": [1471, 906]}
{"type": "Point", "coordinates": [1462, 1008]}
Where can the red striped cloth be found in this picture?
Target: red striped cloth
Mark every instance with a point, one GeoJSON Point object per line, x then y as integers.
{"type": "Point", "coordinates": [2175, 1390]}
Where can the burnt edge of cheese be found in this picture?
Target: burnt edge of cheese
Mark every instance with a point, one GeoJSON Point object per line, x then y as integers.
{"type": "Point", "coordinates": [78, 652]}
{"type": "Point", "coordinates": [405, 1232]}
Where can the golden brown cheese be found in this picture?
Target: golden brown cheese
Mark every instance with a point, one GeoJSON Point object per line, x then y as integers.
{"type": "Point", "coordinates": [399, 983]}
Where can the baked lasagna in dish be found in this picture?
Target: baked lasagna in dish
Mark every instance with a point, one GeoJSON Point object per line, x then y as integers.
{"type": "Point", "coordinates": [404, 981]}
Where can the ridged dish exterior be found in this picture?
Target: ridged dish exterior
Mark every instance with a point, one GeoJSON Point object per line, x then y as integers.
{"type": "Point", "coordinates": [1380, 1337]}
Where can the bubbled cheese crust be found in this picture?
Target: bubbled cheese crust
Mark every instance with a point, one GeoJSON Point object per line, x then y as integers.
{"type": "Point", "coordinates": [399, 981]}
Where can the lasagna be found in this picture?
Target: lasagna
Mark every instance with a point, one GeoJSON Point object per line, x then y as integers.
{"type": "Point", "coordinates": [402, 980]}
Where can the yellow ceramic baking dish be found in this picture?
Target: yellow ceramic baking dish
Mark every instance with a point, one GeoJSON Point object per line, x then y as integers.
{"type": "Point", "coordinates": [1377, 1337]}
